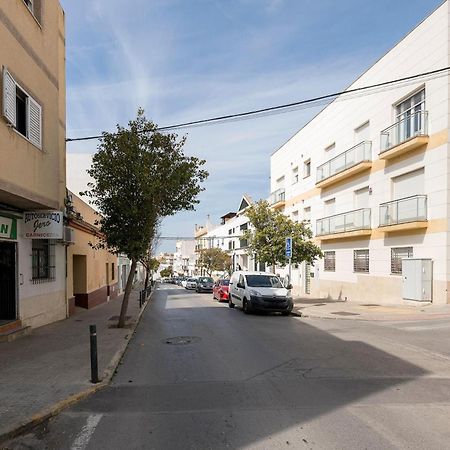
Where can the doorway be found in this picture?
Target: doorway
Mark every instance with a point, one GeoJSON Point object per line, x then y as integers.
{"type": "Point", "coordinates": [8, 308]}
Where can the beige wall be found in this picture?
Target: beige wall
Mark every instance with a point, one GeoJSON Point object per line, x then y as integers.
{"type": "Point", "coordinates": [96, 260]}
{"type": "Point", "coordinates": [35, 56]}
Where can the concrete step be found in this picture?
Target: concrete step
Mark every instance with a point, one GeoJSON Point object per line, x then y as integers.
{"type": "Point", "coordinates": [13, 331]}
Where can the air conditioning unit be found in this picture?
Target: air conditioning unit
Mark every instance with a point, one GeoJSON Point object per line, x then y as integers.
{"type": "Point", "coordinates": [69, 235]}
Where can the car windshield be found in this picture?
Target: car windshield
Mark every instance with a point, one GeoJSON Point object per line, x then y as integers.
{"type": "Point", "coordinates": [263, 281]}
{"type": "Point", "coordinates": [192, 280]}
{"type": "Point", "coordinates": [224, 282]}
{"type": "Point", "coordinates": [206, 280]}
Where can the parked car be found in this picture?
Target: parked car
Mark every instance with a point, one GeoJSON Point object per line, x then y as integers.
{"type": "Point", "coordinates": [191, 283]}
{"type": "Point", "coordinates": [259, 291]}
{"type": "Point", "coordinates": [220, 290]}
{"type": "Point", "coordinates": [204, 284]}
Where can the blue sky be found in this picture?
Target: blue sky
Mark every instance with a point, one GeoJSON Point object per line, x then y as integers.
{"type": "Point", "coordinates": [184, 60]}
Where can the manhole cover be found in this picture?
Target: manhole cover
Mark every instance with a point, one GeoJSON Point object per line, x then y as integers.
{"type": "Point", "coordinates": [320, 304]}
{"type": "Point", "coordinates": [181, 340]}
{"type": "Point", "coordinates": [345, 313]}
{"type": "Point", "coordinates": [370, 304]}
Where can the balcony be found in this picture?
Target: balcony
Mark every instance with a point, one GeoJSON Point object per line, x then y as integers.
{"type": "Point", "coordinates": [405, 135]}
{"type": "Point", "coordinates": [277, 198]}
{"type": "Point", "coordinates": [347, 164]}
{"type": "Point", "coordinates": [350, 224]}
{"type": "Point", "coordinates": [404, 214]}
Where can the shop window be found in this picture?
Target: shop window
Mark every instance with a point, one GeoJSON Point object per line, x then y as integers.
{"type": "Point", "coordinates": [43, 260]}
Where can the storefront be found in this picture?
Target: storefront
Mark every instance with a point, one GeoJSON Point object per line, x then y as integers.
{"type": "Point", "coordinates": [8, 269]}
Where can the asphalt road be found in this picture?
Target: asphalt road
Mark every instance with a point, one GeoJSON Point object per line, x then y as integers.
{"type": "Point", "coordinates": [199, 375]}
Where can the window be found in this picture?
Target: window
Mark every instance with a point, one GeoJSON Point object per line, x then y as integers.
{"type": "Point", "coordinates": [295, 216]}
{"type": "Point", "coordinates": [295, 175]}
{"type": "Point", "coordinates": [21, 110]}
{"type": "Point", "coordinates": [362, 133]}
{"type": "Point", "coordinates": [397, 254]}
{"type": "Point", "coordinates": [113, 271]}
{"type": "Point", "coordinates": [330, 147]}
{"type": "Point", "coordinates": [307, 214]}
{"type": "Point", "coordinates": [361, 261]}
{"type": "Point", "coordinates": [307, 168]}
{"type": "Point", "coordinates": [409, 184]}
{"type": "Point", "coordinates": [329, 260]}
{"type": "Point", "coordinates": [230, 245]}
{"type": "Point", "coordinates": [43, 260]}
{"type": "Point", "coordinates": [230, 232]}
{"type": "Point", "coordinates": [244, 226]}
{"type": "Point", "coordinates": [330, 207]}
{"type": "Point", "coordinates": [361, 198]}
{"type": "Point", "coordinates": [35, 8]}
{"type": "Point", "coordinates": [410, 114]}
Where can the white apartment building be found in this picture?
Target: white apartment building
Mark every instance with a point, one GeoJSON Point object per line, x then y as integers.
{"type": "Point", "coordinates": [229, 237]}
{"type": "Point", "coordinates": [371, 174]}
{"type": "Point", "coordinates": [185, 257]}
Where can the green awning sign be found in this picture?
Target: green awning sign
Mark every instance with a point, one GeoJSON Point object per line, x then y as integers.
{"type": "Point", "coordinates": [8, 228]}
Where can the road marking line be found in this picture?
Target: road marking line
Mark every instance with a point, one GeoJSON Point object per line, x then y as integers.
{"type": "Point", "coordinates": [427, 327]}
{"type": "Point", "coordinates": [84, 436]}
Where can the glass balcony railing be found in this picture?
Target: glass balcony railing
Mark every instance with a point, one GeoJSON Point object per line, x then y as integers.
{"type": "Point", "coordinates": [404, 210]}
{"type": "Point", "coordinates": [277, 196]}
{"type": "Point", "coordinates": [352, 157]}
{"type": "Point", "coordinates": [413, 125]}
{"type": "Point", "coordinates": [359, 219]}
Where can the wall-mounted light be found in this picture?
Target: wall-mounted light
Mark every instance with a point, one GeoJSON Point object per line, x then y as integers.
{"type": "Point", "coordinates": [370, 191]}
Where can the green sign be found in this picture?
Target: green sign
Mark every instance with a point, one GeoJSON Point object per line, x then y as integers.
{"type": "Point", "coordinates": [8, 228]}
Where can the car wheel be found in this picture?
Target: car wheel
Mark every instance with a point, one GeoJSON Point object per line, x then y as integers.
{"type": "Point", "coordinates": [246, 307]}
{"type": "Point", "coordinates": [230, 303]}
{"type": "Point", "coordinates": [286, 313]}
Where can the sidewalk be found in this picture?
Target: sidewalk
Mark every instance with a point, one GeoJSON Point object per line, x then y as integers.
{"type": "Point", "coordinates": [47, 371]}
{"type": "Point", "coordinates": [325, 309]}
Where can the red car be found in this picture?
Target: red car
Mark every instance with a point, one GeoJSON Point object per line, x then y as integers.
{"type": "Point", "coordinates": [220, 290]}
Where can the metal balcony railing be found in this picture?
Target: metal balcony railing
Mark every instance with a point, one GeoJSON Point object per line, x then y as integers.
{"type": "Point", "coordinates": [413, 125]}
{"type": "Point", "coordinates": [277, 196]}
{"type": "Point", "coordinates": [340, 163]}
{"type": "Point", "coordinates": [404, 210]}
{"type": "Point", "coordinates": [359, 219]}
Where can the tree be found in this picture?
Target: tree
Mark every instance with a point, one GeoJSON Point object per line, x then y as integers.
{"type": "Point", "coordinates": [139, 176]}
{"type": "Point", "coordinates": [214, 259]}
{"type": "Point", "coordinates": [167, 272]}
{"type": "Point", "coordinates": [267, 239]}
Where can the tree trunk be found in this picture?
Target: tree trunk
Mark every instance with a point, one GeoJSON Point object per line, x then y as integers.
{"type": "Point", "coordinates": [273, 267]}
{"type": "Point", "coordinates": [126, 295]}
{"type": "Point", "coordinates": [146, 278]}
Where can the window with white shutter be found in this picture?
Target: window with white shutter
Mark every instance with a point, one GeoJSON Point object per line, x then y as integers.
{"type": "Point", "coordinates": [34, 122]}
{"type": "Point", "coordinates": [9, 97]}
{"type": "Point", "coordinates": [21, 110]}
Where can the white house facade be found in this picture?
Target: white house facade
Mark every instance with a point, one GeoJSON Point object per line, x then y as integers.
{"type": "Point", "coordinates": [371, 175]}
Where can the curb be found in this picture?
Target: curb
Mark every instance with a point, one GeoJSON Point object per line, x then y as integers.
{"type": "Point", "coordinates": [53, 410]}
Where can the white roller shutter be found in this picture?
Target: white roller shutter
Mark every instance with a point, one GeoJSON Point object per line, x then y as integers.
{"type": "Point", "coordinates": [409, 184]}
{"type": "Point", "coordinates": [34, 122]}
{"type": "Point", "coordinates": [9, 97]}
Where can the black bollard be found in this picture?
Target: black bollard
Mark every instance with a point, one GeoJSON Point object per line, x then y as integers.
{"type": "Point", "coordinates": [94, 362]}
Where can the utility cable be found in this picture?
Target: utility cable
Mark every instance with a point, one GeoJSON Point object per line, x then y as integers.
{"type": "Point", "coordinates": [288, 107]}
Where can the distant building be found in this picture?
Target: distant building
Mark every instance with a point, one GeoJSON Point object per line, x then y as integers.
{"type": "Point", "coordinates": [92, 275]}
{"type": "Point", "coordinates": [370, 175]}
{"type": "Point", "coordinates": [185, 257]}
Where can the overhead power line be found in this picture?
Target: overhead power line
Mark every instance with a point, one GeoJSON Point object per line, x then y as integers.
{"type": "Point", "coordinates": [288, 107]}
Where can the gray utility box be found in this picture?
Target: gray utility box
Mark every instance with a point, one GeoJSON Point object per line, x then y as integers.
{"type": "Point", "coordinates": [417, 280]}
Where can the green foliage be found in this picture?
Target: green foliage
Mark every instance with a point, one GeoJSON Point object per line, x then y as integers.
{"type": "Point", "coordinates": [214, 259]}
{"type": "Point", "coordinates": [167, 272]}
{"type": "Point", "coordinates": [267, 239]}
{"type": "Point", "coordinates": [140, 176]}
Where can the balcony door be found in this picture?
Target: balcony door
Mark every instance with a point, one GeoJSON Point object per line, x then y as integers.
{"type": "Point", "coordinates": [410, 116]}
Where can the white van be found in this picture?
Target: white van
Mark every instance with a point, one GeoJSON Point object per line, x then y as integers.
{"type": "Point", "coordinates": [259, 291]}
